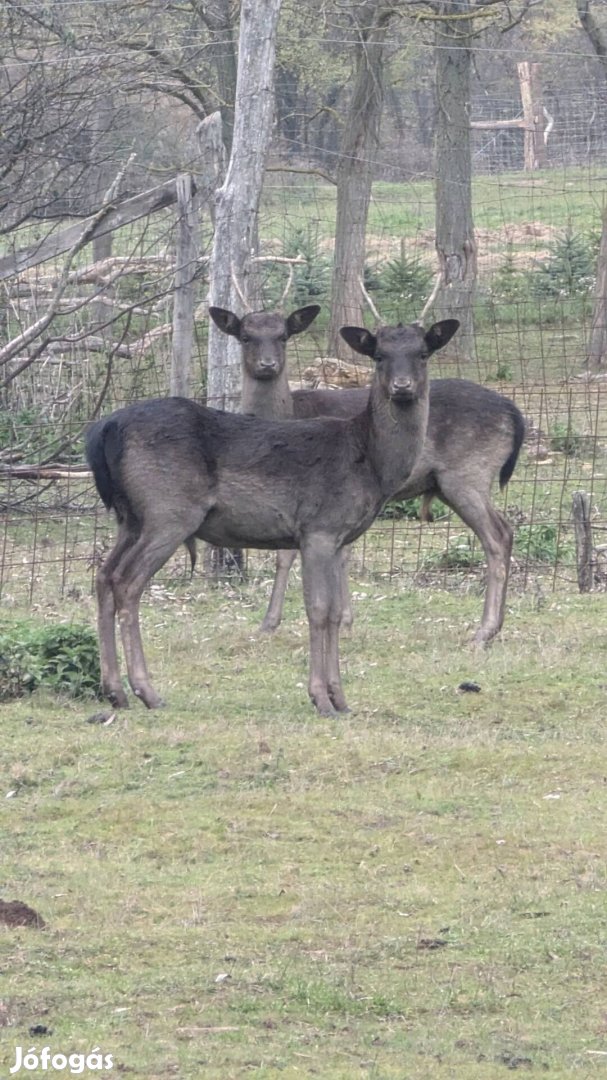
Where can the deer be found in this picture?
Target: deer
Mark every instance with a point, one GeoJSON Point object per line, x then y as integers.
{"type": "Point", "coordinates": [474, 435]}
{"type": "Point", "coordinates": [173, 470]}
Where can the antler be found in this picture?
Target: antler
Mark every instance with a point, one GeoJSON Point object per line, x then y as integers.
{"type": "Point", "coordinates": [287, 287]}
{"type": "Point", "coordinates": [366, 296]}
{"type": "Point", "coordinates": [431, 298]}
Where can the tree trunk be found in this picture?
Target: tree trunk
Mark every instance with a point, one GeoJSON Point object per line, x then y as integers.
{"type": "Point", "coordinates": [597, 345]}
{"type": "Point", "coordinates": [217, 14]}
{"type": "Point", "coordinates": [358, 150]}
{"type": "Point", "coordinates": [237, 205]}
{"type": "Point", "coordinates": [237, 201]}
{"type": "Point", "coordinates": [594, 30]}
{"type": "Point", "coordinates": [455, 242]}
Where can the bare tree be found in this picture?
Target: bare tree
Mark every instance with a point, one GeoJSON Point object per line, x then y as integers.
{"type": "Point", "coordinates": [357, 154]}
{"type": "Point", "coordinates": [218, 17]}
{"type": "Point", "coordinates": [456, 24]}
{"type": "Point", "coordinates": [238, 199]}
{"type": "Point", "coordinates": [455, 242]}
{"type": "Point", "coordinates": [597, 345]}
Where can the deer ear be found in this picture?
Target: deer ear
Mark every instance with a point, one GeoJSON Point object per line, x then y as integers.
{"type": "Point", "coordinates": [440, 334]}
{"type": "Point", "coordinates": [359, 339]}
{"type": "Point", "coordinates": [226, 321]}
{"type": "Point", "coordinates": [300, 320]}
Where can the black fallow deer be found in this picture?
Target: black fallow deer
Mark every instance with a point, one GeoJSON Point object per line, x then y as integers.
{"type": "Point", "coordinates": [474, 436]}
{"type": "Point", "coordinates": [172, 469]}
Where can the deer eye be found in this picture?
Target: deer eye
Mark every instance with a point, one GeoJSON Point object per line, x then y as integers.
{"type": "Point", "coordinates": [283, 337]}
{"type": "Point", "coordinates": [244, 338]}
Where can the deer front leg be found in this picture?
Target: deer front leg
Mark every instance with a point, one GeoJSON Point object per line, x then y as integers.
{"type": "Point", "coordinates": [347, 616]}
{"type": "Point", "coordinates": [334, 686]}
{"type": "Point", "coordinates": [322, 595]}
{"type": "Point", "coordinates": [273, 616]}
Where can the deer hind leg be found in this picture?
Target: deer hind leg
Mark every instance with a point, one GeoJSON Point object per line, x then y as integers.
{"type": "Point", "coordinates": [495, 535]}
{"type": "Point", "coordinates": [137, 567]}
{"type": "Point", "coordinates": [273, 616]}
{"type": "Point", "coordinates": [321, 571]}
{"type": "Point", "coordinates": [497, 545]}
{"type": "Point", "coordinates": [111, 683]}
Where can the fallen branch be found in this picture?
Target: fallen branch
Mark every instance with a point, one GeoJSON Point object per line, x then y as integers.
{"type": "Point", "coordinates": [44, 472]}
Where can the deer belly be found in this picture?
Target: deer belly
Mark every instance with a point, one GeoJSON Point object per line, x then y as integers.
{"type": "Point", "coordinates": [254, 526]}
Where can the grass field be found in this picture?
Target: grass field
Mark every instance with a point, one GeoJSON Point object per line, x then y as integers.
{"type": "Point", "coordinates": [234, 886]}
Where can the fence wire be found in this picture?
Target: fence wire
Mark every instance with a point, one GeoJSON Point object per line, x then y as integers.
{"type": "Point", "coordinates": [537, 237]}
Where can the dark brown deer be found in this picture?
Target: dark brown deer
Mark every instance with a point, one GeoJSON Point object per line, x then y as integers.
{"type": "Point", "coordinates": [172, 470]}
{"type": "Point", "coordinates": [474, 435]}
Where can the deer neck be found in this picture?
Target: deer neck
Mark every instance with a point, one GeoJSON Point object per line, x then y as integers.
{"type": "Point", "coordinates": [395, 439]}
{"type": "Point", "coordinates": [269, 400]}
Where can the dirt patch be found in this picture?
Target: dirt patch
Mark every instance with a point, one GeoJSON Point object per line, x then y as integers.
{"type": "Point", "coordinates": [327, 371]}
{"type": "Point", "coordinates": [527, 241]}
{"type": "Point", "coordinates": [16, 913]}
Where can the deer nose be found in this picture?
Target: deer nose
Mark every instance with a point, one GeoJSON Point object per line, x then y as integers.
{"type": "Point", "coordinates": [402, 385]}
{"type": "Point", "coordinates": [267, 362]}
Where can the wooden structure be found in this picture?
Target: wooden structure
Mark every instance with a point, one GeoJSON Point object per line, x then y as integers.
{"type": "Point", "coordinates": [535, 122]}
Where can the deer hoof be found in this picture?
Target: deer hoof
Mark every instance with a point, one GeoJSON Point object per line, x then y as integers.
{"type": "Point", "coordinates": [117, 698]}
{"type": "Point", "coordinates": [150, 699]}
{"type": "Point", "coordinates": [338, 701]}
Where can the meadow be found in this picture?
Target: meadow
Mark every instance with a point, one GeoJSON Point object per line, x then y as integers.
{"type": "Point", "coordinates": [234, 886]}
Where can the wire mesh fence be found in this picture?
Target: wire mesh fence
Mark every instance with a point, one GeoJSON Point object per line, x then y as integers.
{"type": "Point", "coordinates": [537, 237]}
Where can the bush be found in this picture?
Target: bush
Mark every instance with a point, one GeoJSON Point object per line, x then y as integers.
{"type": "Point", "coordinates": [568, 271]}
{"type": "Point", "coordinates": [542, 543]}
{"type": "Point", "coordinates": [63, 658]}
{"type": "Point", "coordinates": [407, 283]}
{"type": "Point", "coordinates": [311, 279]}
{"type": "Point", "coordinates": [565, 439]}
{"type": "Point", "coordinates": [459, 556]}
{"type": "Point", "coordinates": [402, 509]}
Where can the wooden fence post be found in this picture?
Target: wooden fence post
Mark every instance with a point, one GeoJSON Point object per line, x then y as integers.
{"type": "Point", "coordinates": [186, 257]}
{"type": "Point", "coordinates": [583, 540]}
{"type": "Point", "coordinates": [531, 98]}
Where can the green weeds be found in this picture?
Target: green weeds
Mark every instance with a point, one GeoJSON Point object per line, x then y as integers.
{"type": "Point", "coordinates": [64, 659]}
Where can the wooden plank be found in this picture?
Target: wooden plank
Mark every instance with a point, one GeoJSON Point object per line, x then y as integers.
{"type": "Point", "coordinates": [44, 472]}
{"type": "Point", "coordinates": [488, 125]}
{"type": "Point", "coordinates": [185, 286]}
{"type": "Point", "coordinates": [147, 202]}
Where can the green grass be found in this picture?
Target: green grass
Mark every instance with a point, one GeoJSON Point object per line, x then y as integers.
{"type": "Point", "coordinates": [557, 197]}
{"type": "Point", "coordinates": [413, 890]}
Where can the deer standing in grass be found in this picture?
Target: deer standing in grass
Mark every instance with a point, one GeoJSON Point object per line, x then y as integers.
{"type": "Point", "coordinates": [173, 470]}
{"type": "Point", "coordinates": [474, 434]}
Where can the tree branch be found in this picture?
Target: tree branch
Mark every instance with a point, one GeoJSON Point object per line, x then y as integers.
{"type": "Point", "coordinates": [36, 329]}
